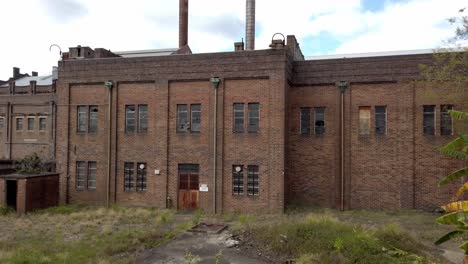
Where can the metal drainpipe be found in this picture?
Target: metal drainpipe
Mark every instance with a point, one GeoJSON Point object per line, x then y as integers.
{"type": "Point", "coordinates": [109, 85]}
{"type": "Point", "coordinates": [215, 82]}
{"type": "Point", "coordinates": [342, 86]}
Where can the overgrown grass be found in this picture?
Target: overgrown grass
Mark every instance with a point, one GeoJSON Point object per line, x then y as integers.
{"type": "Point", "coordinates": [321, 238]}
{"type": "Point", "coordinates": [6, 211]}
{"type": "Point", "coordinates": [80, 234]}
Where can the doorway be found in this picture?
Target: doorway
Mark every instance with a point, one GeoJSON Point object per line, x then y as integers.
{"type": "Point", "coordinates": [11, 191]}
{"type": "Point", "coordinates": [188, 186]}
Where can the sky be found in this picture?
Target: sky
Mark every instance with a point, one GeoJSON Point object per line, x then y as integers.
{"type": "Point", "coordinates": [322, 27]}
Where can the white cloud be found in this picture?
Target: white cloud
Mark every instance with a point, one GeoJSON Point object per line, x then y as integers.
{"type": "Point", "coordinates": [29, 27]}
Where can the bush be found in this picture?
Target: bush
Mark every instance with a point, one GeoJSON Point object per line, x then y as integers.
{"type": "Point", "coordinates": [6, 210]}
{"type": "Point", "coordinates": [30, 164]}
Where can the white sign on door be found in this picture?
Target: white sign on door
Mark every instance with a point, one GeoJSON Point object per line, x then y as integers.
{"type": "Point", "coordinates": [203, 187]}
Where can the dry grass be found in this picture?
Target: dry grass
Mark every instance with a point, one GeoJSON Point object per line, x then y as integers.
{"type": "Point", "coordinates": [77, 234]}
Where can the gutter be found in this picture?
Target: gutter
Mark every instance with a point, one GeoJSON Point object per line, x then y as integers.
{"type": "Point", "coordinates": [342, 86]}
{"type": "Point", "coordinates": [109, 85]}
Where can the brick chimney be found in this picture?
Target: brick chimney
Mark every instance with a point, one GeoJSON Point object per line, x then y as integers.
{"type": "Point", "coordinates": [16, 73]}
{"type": "Point", "coordinates": [239, 46]}
{"type": "Point", "coordinates": [183, 23]}
{"type": "Point", "coordinates": [34, 73]}
{"type": "Point", "coordinates": [250, 25]}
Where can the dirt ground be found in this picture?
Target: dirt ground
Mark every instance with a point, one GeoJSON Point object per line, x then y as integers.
{"type": "Point", "coordinates": [204, 246]}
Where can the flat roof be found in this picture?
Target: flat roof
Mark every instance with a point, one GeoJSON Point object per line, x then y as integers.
{"type": "Point", "coordinates": [146, 53]}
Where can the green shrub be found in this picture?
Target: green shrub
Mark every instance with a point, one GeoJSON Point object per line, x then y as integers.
{"type": "Point", "coordinates": [30, 164]}
{"type": "Point", "coordinates": [6, 210]}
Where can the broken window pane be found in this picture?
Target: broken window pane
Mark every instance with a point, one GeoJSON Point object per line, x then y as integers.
{"type": "Point", "coordinates": [429, 119]}
{"type": "Point", "coordinates": [305, 120]}
{"type": "Point", "coordinates": [319, 120]}
{"type": "Point", "coordinates": [237, 179]}
{"type": "Point", "coordinates": [195, 112]}
{"type": "Point", "coordinates": [380, 119]}
{"type": "Point", "coordinates": [93, 118]}
{"type": "Point", "coordinates": [238, 118]}
{"type": "Point", "coordinates": [445, 120]}
{"type": "Point", "coordinates": [130, 122]}
{"type": "Point", "coordinates": [182, 118]}
{"type": "Point", "coordinates": [141, 177]}
{"type": "Point", "coordinates": [364, 120]}
{"type": "Point", "coordinates": [254, 117]}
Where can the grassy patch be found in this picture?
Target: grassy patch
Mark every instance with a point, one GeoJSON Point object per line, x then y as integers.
{"type": "Point", "coordinates": [81, 234]}
{"type": "Point", "coordinates": [322, 238]}
{"type": "Point", "coordinates": [6, 211]}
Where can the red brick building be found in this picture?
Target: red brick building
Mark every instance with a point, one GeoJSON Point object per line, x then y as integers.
{"type": "Point", "coordinates": [270, 130]}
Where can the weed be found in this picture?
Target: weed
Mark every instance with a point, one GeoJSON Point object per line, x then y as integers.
{"type": "Point", "coordinates": [197, 216]}
{"type": "Point", "coordinates": [6, 211]}
{"type": "Point", "coordinates": [191, 259]}
{"type": "Point", "coordinates": [218, 257]}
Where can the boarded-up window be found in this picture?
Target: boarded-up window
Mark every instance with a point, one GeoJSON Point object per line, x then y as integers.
{"type": "Point", "coordinates": [182, 118]}
{"type": "Point", "coordinates": [254, 117]}
{"type": "Point", "coordinates": [238, 125]}
{"type": "Point", "coordinates": [130, 120]}
{"type": "Point", "coordinates": [93, 118]}
{"type": "Point", "coordinates": [445, 120]}
{"type": "Point", "coordinates": [129, 174]}
{"type": "Point", "coordinates": [252, 180]}
{"type": "Point", "coordinates": [429, 119]}
{"type": "Point", "coordinates": [305, 120]}
{"type": "Point", "coordinates": [82, 117]}
{"type": "Point", "coordinates": [80, 175]}
{"type": "Point", "coordinates": [141, 177]}
{"type": "Point", "coordinates": [364, 120]}
{"type": "Point", "coordinates": [237, 179]}
{"type": "Point", "coordinates": [195, 116]}
{"type": "Point", "coordinates": [92, 170]}
{"type": "Point", "coordinates": [319, 124]}
{"type": "Point", "coordinates": [142, 118]}
{"type": "Point", "coordinates": [380, 120]}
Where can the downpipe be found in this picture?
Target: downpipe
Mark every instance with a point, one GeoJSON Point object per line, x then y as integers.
{"type": "Point", "coordinates": [109, 85]}
{"type": "Point", "coordinates": [215, 81]}
{"type": "Point", "coordinates": [342, 86]}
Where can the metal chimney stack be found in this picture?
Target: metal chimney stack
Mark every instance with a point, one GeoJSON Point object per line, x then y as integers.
{"type": "Point", "coordinates": [183, 23]}
{"type": "Point", "coordinates": [250, 25]}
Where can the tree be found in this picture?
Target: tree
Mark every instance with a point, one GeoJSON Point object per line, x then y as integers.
{"type": "Point", "coordinates": [451, 65]}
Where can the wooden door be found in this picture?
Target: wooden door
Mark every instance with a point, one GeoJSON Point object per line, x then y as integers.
{"type": "Point", "coordinates": [188, 190]}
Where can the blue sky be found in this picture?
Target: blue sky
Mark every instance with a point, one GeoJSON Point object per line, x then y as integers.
{"type": "Point", "coordinates": [321, 26]}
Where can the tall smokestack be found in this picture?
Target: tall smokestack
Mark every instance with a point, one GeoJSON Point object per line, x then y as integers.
{"type": "Point", "coordinates": [250, 25]}
{"type": "Point", "coordinates": [183, 23]}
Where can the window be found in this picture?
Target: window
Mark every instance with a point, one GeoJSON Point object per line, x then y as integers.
{"type": "Point", "coordinates": [92, 175]}
{"type": "Point", "coordinates": [30, 123]}
{"type": "Point", "coordinates": [252, 180]}
{"type": "Point", "coordinates": [189, 121]}
{"type": "Point", "coordinates": [82, 118]}
{"type": "Point", "coordinates": [319, 115]}
{"type": "Point", "coordinates": [19, 123]}
{"type": "Point", "coordinates": [254, 117]}
{"type": "Point", "coordinates": [237, 179]}
{"type": "Point", "coordinates": [305, 120]}
{"type": "Point", "coordinates": [86, 175]}
{"type": "Point", "coordinates": [142, 118]}
{"type": "Point", "coordinates": [195, 112]}
{"type": "Point", "coordinates": [429, 119]}
{"type": "Point", "coordinates": [136, 119]}
{"type": "Point", "coordinates": [238, 125]}
{"type": "Point", "coordinates": [141, 177]}
{"type": "Point", "coordinates": [2, 122]}
{"type": "Point", "coordinates": [364, 120]}
{"type": "Point", "coordinates": [380, 120]}
{"type": "Point", "coordinates": [445, 120]}
{"type": "Point", "coordinates": [42, 123]}
{"type": "Point", "coordinates": [182, 118]}
{"type": "Point", "coordinates": [130, 119]}
{"type": "Point", "coordinates": [80, 174]}
{"type": "Point", "coordinates": [129, 180]}
{"type": "Point", "coordinates": [189, 176]}
{"type": "Point", "coordinates": [93, 118]}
